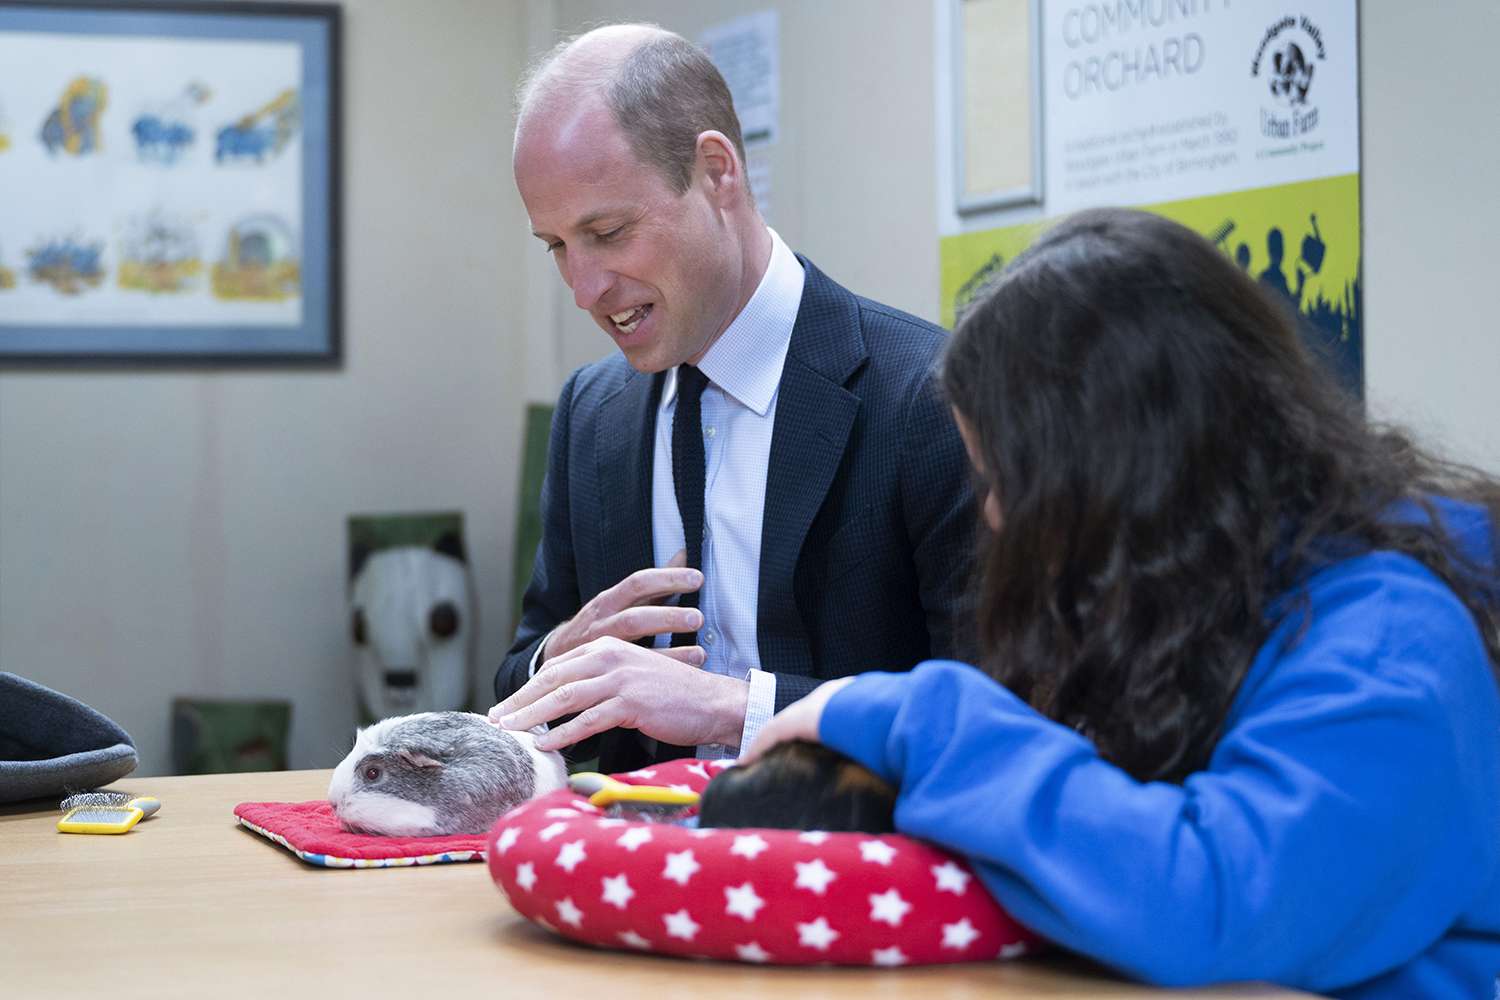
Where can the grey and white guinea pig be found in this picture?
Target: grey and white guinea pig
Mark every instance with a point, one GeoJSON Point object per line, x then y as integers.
{"type": "Point", "coordinates": [438, 773]}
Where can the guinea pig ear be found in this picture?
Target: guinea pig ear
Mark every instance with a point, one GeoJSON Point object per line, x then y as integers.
{"type": "Point", "coordinates": [418, 759]}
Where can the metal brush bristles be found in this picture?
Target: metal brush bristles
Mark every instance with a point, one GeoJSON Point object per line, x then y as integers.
{"type": "Point", "coordinates": [99, 799]}
{"type": "Point", "coordinates": [95, 798]}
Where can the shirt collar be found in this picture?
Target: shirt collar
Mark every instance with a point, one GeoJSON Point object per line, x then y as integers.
{"type": "Point", "coordinates": [747, 359]}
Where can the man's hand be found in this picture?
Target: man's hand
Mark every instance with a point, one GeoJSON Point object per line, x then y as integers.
{"type": "Point", "coordinates": [798, 721]}
{"type": "Point", "coordinates": [630, 610]}
{"type": "Point", "coordinates": [610, 682]}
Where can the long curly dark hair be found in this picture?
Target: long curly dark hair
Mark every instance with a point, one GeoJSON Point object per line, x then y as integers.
{"type": "Point", "coordinates": [1169, 460]}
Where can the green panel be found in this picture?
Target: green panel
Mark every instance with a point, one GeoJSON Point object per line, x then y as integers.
{"type": "Point", "coordinates": [529, 509]}
{"type": "Point", "coordinates": [217, 737]}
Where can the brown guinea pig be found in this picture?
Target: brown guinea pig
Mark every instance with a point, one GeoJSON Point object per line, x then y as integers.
{"type": "Point", "coordinates": [800, 786]}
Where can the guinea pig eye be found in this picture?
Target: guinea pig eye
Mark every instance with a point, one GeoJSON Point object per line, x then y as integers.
{"type": "Point", "coordinates": [443, 619]}
{"type": "Point", "coordinates": [372, 773]}
{"type": "Point", "coordinates": [357, 626]}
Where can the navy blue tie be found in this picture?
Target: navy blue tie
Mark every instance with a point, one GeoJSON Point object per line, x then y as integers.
{"type": "Point", "coordinates": [688, 476]}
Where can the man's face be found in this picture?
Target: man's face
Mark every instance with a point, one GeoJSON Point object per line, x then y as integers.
{"type": "Point", "coordinates": [655, 269]}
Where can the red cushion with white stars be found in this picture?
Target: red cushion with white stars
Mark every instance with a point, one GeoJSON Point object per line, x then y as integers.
{"type": "Point", "coordinates": [776, 896]}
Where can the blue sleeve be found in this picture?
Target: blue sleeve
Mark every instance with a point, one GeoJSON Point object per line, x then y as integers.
{"type": "Point", "coordinates": [1346, 819]}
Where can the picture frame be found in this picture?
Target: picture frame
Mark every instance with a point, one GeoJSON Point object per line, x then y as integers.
{"type": "Point", "coordinates": [997, 104]}
{"type": "Point", "coordinates": [169, 183]}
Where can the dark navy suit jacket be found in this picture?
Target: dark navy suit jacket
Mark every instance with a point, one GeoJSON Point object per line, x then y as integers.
{"type": "Point", "coordinates": [869, 524]}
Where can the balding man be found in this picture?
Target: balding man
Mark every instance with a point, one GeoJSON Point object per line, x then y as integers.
{"type": "Point", "coordinates": [762, 490]}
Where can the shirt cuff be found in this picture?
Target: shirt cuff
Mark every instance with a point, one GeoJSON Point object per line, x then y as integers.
{"type": "Point", "coordinates": [760, 705]}
{"type": "Point", "coordinates": [536, 657]}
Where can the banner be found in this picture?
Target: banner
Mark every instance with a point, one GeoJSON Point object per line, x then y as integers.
{"type": "Point", "coordinates": [1240, 120]}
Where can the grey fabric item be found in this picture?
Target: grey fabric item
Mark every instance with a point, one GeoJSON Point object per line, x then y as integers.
{"type": "Point", "coordinates": [51, 744]}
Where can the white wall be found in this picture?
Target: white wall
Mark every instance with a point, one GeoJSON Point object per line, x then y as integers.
{"type": "Point", "coordinates": [183, 533]}
{"type": "Point", "coordinates": [1431, 217]}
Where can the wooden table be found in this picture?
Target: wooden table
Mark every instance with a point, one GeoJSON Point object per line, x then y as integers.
{"type": "Point", "coordinates": [188, 904]}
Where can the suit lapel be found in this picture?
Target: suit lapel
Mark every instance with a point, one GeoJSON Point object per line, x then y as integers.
{"type": "Point", "coordinates": [623, 455]}
{"type": "Point", "coordinates": [814, 415]}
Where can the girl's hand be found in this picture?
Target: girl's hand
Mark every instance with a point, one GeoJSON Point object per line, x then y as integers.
{"type": "Point", "coordinates": [798, 721]}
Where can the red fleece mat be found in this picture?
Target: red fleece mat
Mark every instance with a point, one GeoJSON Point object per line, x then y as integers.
{"type": "Point", "coordinates": [310, 831]}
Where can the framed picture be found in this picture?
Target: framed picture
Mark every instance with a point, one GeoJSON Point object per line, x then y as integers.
{"type": "Point", "coordinates": [169, 183]}
{"type": "Point", "coordinates": [997, 102]}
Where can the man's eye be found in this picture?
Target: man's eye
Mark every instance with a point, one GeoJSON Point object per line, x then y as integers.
{"type": "Point", "coordinates": [606, 237]}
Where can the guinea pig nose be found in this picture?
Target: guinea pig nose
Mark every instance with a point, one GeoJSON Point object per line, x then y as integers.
{"type": "Point", "coordinates": [443, 619]}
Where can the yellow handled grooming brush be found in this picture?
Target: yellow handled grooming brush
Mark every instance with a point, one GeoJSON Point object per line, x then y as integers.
{"type": "Point", "coordinates": [617, 798]}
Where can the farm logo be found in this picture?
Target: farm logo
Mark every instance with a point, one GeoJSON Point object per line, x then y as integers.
{"type": "Point", "coordinates": [1287, 60]}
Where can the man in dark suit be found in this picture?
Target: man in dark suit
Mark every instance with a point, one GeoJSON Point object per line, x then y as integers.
{"type": "Point", "coordinates": [762, 490]}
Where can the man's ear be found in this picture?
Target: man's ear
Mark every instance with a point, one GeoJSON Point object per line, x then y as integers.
{"type": "Point", "coordinates": [722, 170]}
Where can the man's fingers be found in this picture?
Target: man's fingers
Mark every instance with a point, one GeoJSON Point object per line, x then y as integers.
{"type": "Point", "coordinates": [565, 699]}
{"type": "Point", "coordinates": [559, 670]}
{"type": "Point", "coordinates": [693, 656]}
{"type": "Point", "coordinates": [606, 715]}
{"type": "Point", "coordinates": [653, 619]}
{"type": "Point", "coordinates": [649, 586]}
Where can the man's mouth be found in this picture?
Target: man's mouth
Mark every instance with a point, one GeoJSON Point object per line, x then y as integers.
{"type": "Point", "coordinates": [627, 321]}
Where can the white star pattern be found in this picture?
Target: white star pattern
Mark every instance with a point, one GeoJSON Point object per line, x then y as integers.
{"type": "Point", "coordinates": [699, 770]}
{"type": "Point", "coordinates": [749, 845]}
{"type": "Point", "coordinates": [583, 806]}
{"type": "Point", "coordinates": [551, 831]}
{"type": "Point", "coordinates": [816, 934]}
{"type": "Point", "coordinates": [526, 876]}
{"type": "Point", "coordinates": [572, 852]}
{"type": "Point", "coordinates": [877, 852]}
{"type": "Point", "coordinates": [959, 935]}
{"type": "Point", "coordinates": [951, 878]}
{"type": "Point", "coordinates": [702, 834]}
{"type": "Point", "coordinates": [742, 901]}
{"type": "Point", "coordinates": [752, 952]}
{"type": "Point", "coordinates": [681, 866]}
{"type": "Point", "coordinates": [634, 940]}
{"type": "Point", "coordinates": [617, 891]}
{"type": "Point", "coordinates": [684, 789]}
{"type": "Point", "coordinates": [507, 839]}
{"type": "Point", "coordinates": [814, 875]}
{"type": "Point", "coordinates": [1013, 950]}
{"type": "Point", "coordinates": [634, 837]}
{"type": "Point", "coordinates": [719, 765]}
{"type": "Point", "coordinates": [887, 956]}
{"type": "Point", "coordinates": [812, 837]}
{"type": "Point", "coordinates": [889, 907]}
{"type": "Point", "coordinates": [644, 772]}
{"type": "Point", "coordinates": [562, 813]}
{"type": "Point", "coordinates": [681, 925]}
{"type": "Point", "coordinates": [568, 913]}
{"type": "Point", "coordinates": [611, 821]}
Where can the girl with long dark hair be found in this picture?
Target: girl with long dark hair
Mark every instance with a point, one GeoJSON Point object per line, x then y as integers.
{"type": "Point", "coordinates": [1247, 724]}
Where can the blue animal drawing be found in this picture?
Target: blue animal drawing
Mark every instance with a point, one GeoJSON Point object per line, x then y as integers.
{"type": "Point", "coordinates": [161, 139]}
{"type": "Point", "coordinates": [244, 140]}
{"type": "Point", "coordinates": [73, 126]}
{"type": "Point", "coordinates": [263, 132]}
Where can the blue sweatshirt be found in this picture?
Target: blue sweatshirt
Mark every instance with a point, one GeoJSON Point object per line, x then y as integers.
{"type": "Point", "coordinates": [1344, 838]}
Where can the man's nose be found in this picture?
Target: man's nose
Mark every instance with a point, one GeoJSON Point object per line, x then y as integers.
{"type": "Point", "coordinates": [588, 280]}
